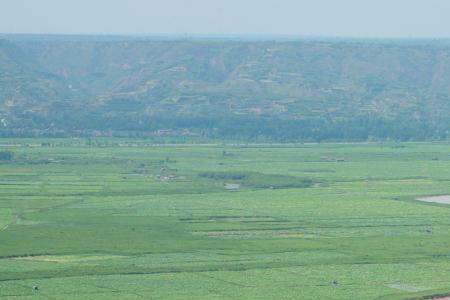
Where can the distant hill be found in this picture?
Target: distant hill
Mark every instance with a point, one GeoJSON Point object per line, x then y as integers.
{"type": "Point", "coordinates": [253, 90]}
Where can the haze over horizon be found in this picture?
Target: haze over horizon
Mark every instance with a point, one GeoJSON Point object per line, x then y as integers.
{"type": "Point", "coordinates": [324, 18]}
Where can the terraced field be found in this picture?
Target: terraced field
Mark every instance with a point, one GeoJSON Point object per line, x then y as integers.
{"type": "Point", "coordinates": [114, 219]}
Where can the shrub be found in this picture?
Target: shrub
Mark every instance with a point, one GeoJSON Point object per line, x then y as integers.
{"type": "Point", "coordinates": [259, 180]}
{"type": "Point", "coordinates": [6, 155]}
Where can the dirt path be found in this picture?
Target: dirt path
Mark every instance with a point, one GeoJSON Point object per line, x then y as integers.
{"type": "Point", "coordinates": [17, 220]}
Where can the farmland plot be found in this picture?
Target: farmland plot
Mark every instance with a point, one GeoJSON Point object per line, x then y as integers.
{"type": "Point", "coordinates": [301, 222]}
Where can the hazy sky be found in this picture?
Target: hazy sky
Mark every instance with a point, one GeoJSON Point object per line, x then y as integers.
{"type": "Point", "coordinates": [351, 18]}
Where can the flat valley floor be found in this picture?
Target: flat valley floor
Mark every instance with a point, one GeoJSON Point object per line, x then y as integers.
{"type": "Point", "coordinates": [120, 219]}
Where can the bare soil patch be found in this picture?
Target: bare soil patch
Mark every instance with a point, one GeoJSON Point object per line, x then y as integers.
{"type": "Point", "coordinates": [445, 199]}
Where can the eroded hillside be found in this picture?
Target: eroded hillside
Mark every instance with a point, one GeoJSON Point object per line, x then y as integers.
{"type": "Point", "coordinates": [288, 90]}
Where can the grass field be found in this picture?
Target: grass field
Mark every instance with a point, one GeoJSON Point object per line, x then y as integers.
{"type": "Point", "coordinates": [121, 219]}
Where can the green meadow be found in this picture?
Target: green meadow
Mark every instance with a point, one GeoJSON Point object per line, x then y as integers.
{"type": "Point", "coordinates": [127, 219]}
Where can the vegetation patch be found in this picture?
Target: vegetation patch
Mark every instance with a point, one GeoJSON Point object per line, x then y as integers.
{"type": "Point", "coordinates": [68, 258]}
{"type": "Point", "coordinates": [407, 287]}
{"type": "Point", "coordinates": [259, 180]}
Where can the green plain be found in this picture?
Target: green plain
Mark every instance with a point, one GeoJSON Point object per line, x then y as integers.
{"type": "Point", "coordinates": [120, 219]}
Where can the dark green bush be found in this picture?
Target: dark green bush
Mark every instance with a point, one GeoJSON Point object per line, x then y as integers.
{"type": "Point", "coordinates": [6, 155]}
{"type": "Point", "coordinates": [259, 180]}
